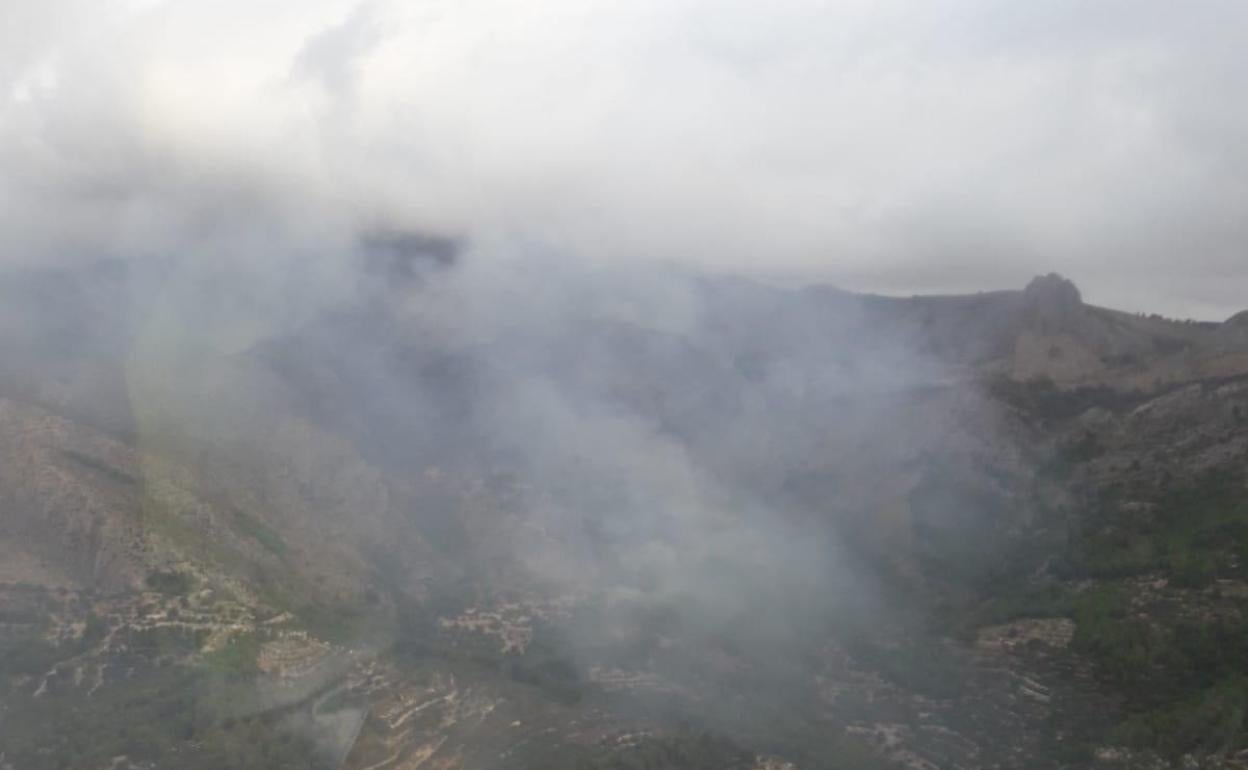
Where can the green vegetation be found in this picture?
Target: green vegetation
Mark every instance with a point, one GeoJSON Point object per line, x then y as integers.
{"type": "Point", "coordinates": [162, 716]}
{"type": "Point", "coordinates": [169, 583]}
{"type": "Point", "coordinates": [957, 530]}
{"type": "Point", "coordinates": [1181, 664]}
{"type": "Point", "coordinates": [260, 532]}
{"type": "Point", "coordinates": [28, 653]}
{"type": "Point", "coordinates": [1122, 645]}
{"type": "Point", "coordinates": [1209, 721]}
{"type": "Point", "coordinates": [1052, 600]}
{"type": "Point", "coordinates": [692, 749]}
{"type": "Point", "coordinates": [161, 712]}
{"type": "Point", "coordinates": [1183, 676]}
{"type": "Point", "coordinates": [238, 656]}
{"type": "Point", "coordinates": [912, 663]}
{"type": "Point", "coordinates": [1199, 531]}
{"type": "Point", "coordinates": [686, 750]}
{"type": "Point", "coordinates": [161, 641]}
{"type": "Point", "coordinates": [1137, 569]}
{"type": "Point", "coordinates": [1186, 685]}
{"type": "Point", "coordinates": [1158, 661]}
{"type": "Point", "coordinates": [544, 666]}
{"type": "Point", "coordinates": [1043, 399]}
{"type": "Point", "coordinates": [338, 623]}
{"type": "Point", "coordinates": [119, 476]}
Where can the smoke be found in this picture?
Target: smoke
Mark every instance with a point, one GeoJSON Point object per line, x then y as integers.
{"type": "Point", "coordinates": [648, 421]}
{"type": "Point", "coordinates": [371, 246]}
{"type": "Point", "coordinates": [461, 284]}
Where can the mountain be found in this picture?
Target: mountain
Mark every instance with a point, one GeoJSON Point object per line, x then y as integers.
{"type": "Point", "coordinates": [568, 517]}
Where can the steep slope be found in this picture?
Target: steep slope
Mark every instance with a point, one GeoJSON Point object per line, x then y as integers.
{"type": "Point", "coordinates": [1148, 562]}
{"type": "Point", "coordinates": [732, 525]}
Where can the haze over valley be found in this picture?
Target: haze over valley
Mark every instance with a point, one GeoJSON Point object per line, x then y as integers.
{"type": "Point", "coordinates": [603, 386]}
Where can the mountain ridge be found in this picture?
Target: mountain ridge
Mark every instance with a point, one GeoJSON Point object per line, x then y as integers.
{"type": "Point", "coordinates": [439, 522]}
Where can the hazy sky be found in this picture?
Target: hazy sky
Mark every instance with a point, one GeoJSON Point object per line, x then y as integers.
{"type": "Point", "coordinates": [881, 145]}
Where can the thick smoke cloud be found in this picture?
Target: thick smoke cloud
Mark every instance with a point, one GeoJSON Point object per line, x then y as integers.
{"type": "Point", "coordinates": [445, 291]}
{"type": "Point", "coordinates": [879, 146]}
{"type": "Point", "coordinates": [428, 281]}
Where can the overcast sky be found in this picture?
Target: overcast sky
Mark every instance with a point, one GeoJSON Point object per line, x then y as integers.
{"type": "Point", "coordinates": [902, 147]}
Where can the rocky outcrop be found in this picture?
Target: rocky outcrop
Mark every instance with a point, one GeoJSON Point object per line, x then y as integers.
{"type": "Point", "coordinates": [1052, 300]}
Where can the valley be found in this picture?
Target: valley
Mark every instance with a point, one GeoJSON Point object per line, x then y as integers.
{"type": "Point", "coordinates": [809, 530]}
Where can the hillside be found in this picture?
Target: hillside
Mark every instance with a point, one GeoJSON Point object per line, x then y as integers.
{"type": "Point", "coordinates": [675, 521]}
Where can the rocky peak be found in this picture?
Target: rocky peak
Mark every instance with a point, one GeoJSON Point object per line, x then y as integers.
{"type": "Point", "coordinates": [1052, 301]}
{"type": "Point", "coordinates": [1053, 291]}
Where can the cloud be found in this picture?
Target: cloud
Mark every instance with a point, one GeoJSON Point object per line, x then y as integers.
{"type": "Point", "coordinates": [881, 146]}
